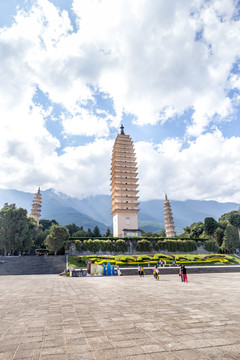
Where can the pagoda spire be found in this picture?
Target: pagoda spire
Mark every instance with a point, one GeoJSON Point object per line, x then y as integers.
{"type": "Point", "coordinates": [122, 130]}
{"type": "Point", "coordinates": [36, 206]}
{"type": "Point", "coordinates": [168, 219]}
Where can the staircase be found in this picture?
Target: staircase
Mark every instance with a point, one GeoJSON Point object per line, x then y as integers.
{"type": "Point", "coordinates": [32, 265]}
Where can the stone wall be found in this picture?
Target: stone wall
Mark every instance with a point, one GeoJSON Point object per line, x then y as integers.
{"type": "Point", "coordinates": [32, 265]}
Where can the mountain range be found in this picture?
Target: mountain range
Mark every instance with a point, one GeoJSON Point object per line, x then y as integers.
{"type": "Point", "coordinates": [96, 210]}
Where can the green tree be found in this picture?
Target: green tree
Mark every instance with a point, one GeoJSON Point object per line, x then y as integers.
{"type": "Point", "coordinates": [72, 228]}
{"type": "Point", "coordinates": [107, 233]}
{"type": "Point", "coordinates": [223, 224]}
{"type": "Point", "coordinates": [41, 236]}
{"type": "Point", "coordinates": [89, 233]}
{"type": "Point", "coordinates": [14, 229]}
{"type": "Point", "coordinates": [218, 236]}
{"type": "Point", "coordinates": [96, 232]}
{"type": "Point", "coordinates": [79, 233]}
{"type": "Point", "coordinates": [210, 225]}
{"type": "Point", "coordinates": [187, 231]}
{"type": "Point", "coordinates": [226, 216]}
{"type": "Point", "coordinates": [33, 228]}
{"type": "Point", "coordinates": [196, 230]}
{"type": "Point", "coordinates": [162, 233]}
{"type": "Point", "coordinates": [234, 220]}
{"type": "Point", "coordinates": [46, 224]}
{"type": "Point", "coordinates": [231, 239]}
{"type": "Point", "coordinates": [147, 234]}
{"type": "Point", "coordinates": [193, 231]}
{"type": "Point", "coordinates": [57, 237]}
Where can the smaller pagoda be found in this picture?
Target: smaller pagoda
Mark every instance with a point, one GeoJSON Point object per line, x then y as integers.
{"type": "Point", "coordinates": [36, 206]}
{"type": "Point", "coordinates": [168, 219]}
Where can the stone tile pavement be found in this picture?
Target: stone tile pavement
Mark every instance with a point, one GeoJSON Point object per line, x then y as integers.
{"type": "Point", "coordinates": [49, 317]}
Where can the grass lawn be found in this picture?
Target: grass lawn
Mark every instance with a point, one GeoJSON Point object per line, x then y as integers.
{"type": "Point", "coordinates": [134, 260]}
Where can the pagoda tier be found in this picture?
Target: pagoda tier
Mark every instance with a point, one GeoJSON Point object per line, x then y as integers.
{"type": "Point", "coordinates": [124, 185]}
{"type": "Point", "coordinates": [36, 206]}
{"type": "Point", "coordinates": [168, 219]}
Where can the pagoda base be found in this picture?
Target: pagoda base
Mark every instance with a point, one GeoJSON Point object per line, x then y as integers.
{"type": "Point", "coordinates": [124, 221]}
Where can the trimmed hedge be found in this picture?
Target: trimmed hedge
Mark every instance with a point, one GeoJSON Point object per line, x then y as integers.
{"type": "Point", "coordinates": [211, 246]}
{"type": "Point", "coordinates": [177, 245]}
{"type": "Point", "coordinates": [143, 245]}
{"type": "Point", "coordinates": [121, 245]}
{"type": "Point", "coordinates": [104, 245]}
{"type": "Point", "coordinates": [138, 238]}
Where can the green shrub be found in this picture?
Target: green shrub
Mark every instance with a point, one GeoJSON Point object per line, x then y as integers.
{"type": "Point", "coordinates": [78, 244]}
{"type": "Point", "coordinates": [177, 245]}
{"type": "Point", "coordinates": [96, 244]}
{"type": "Point", "coordinates": [210, 245]}
{"type": "Point", "coordinates": [144, 245]}
{"type": "Point", "coordinates": [190, 245]}
{"type": "Point", "coordinates": [88, 245]}
{"type": "Point", "coordinates": [121, 245]}
{"type": "Point", "coordinates": [171, 245]}
{"type": "Point", "coordinates": [85, 245]}
{"type": "Point", "coordinates": [107, 245]}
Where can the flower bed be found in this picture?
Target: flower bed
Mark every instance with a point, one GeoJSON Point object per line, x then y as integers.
{"type": "Point", "coordinates": [135, 260]}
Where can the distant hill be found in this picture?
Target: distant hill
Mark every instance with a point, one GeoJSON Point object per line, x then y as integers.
{"type": "Point", "coordinates": [187, 212]}
{"type": "Point", "coordinates": [96, 210]}
{"type": "Point", "coordinates": [54, 206]}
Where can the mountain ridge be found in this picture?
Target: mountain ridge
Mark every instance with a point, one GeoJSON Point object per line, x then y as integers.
{"type": "Point", "coordinates": [96, 210]}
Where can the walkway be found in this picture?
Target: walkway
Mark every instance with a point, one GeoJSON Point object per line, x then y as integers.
{"type": "Point", "coordinates": [49, 317]}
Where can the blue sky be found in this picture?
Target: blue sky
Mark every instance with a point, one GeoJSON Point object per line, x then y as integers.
{"type": "Point", "coordinates": [72, 72]}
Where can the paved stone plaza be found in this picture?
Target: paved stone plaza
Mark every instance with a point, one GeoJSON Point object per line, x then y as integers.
{"type": "Point", "coordinates": [50, 317]}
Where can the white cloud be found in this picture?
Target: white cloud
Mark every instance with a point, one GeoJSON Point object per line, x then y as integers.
{"type": "Point", "coordinates": [146, 59]}
{"type": "Point", "coordinates": [84, 122]}
{"type": "Point", "coordinates": [160, 70]}
{"type": "Point", "coordinates": [86, 169]}
{"type": "Point", "coordinates": [205, 170]}
{"type": "Point", "coordinates": [27, 151]}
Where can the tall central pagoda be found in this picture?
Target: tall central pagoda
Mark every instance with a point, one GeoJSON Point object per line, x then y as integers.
{"type": "Point", "coordinates": [124, 187]}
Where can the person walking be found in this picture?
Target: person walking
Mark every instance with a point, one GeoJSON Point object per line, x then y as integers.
{"type": "Point", "coordinates": [119, 271]}
{"type": "Point", "coordinates": [180, 272]}
{"type": "Point", "coordinates": [184, 274]}
{"type": "Point", "coordinates": [139, 270]}
{"type": "Point", "coordinates": [142, 271]}
{"type": "Point", "coordinates": [154, 271]}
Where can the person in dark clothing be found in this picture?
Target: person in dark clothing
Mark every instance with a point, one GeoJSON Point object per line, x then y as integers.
{"type": "Point", "coordinates": [184, 274]}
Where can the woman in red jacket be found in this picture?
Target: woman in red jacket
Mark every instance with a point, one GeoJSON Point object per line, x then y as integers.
{"type": "Point", "coordinates": [184, 274]}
